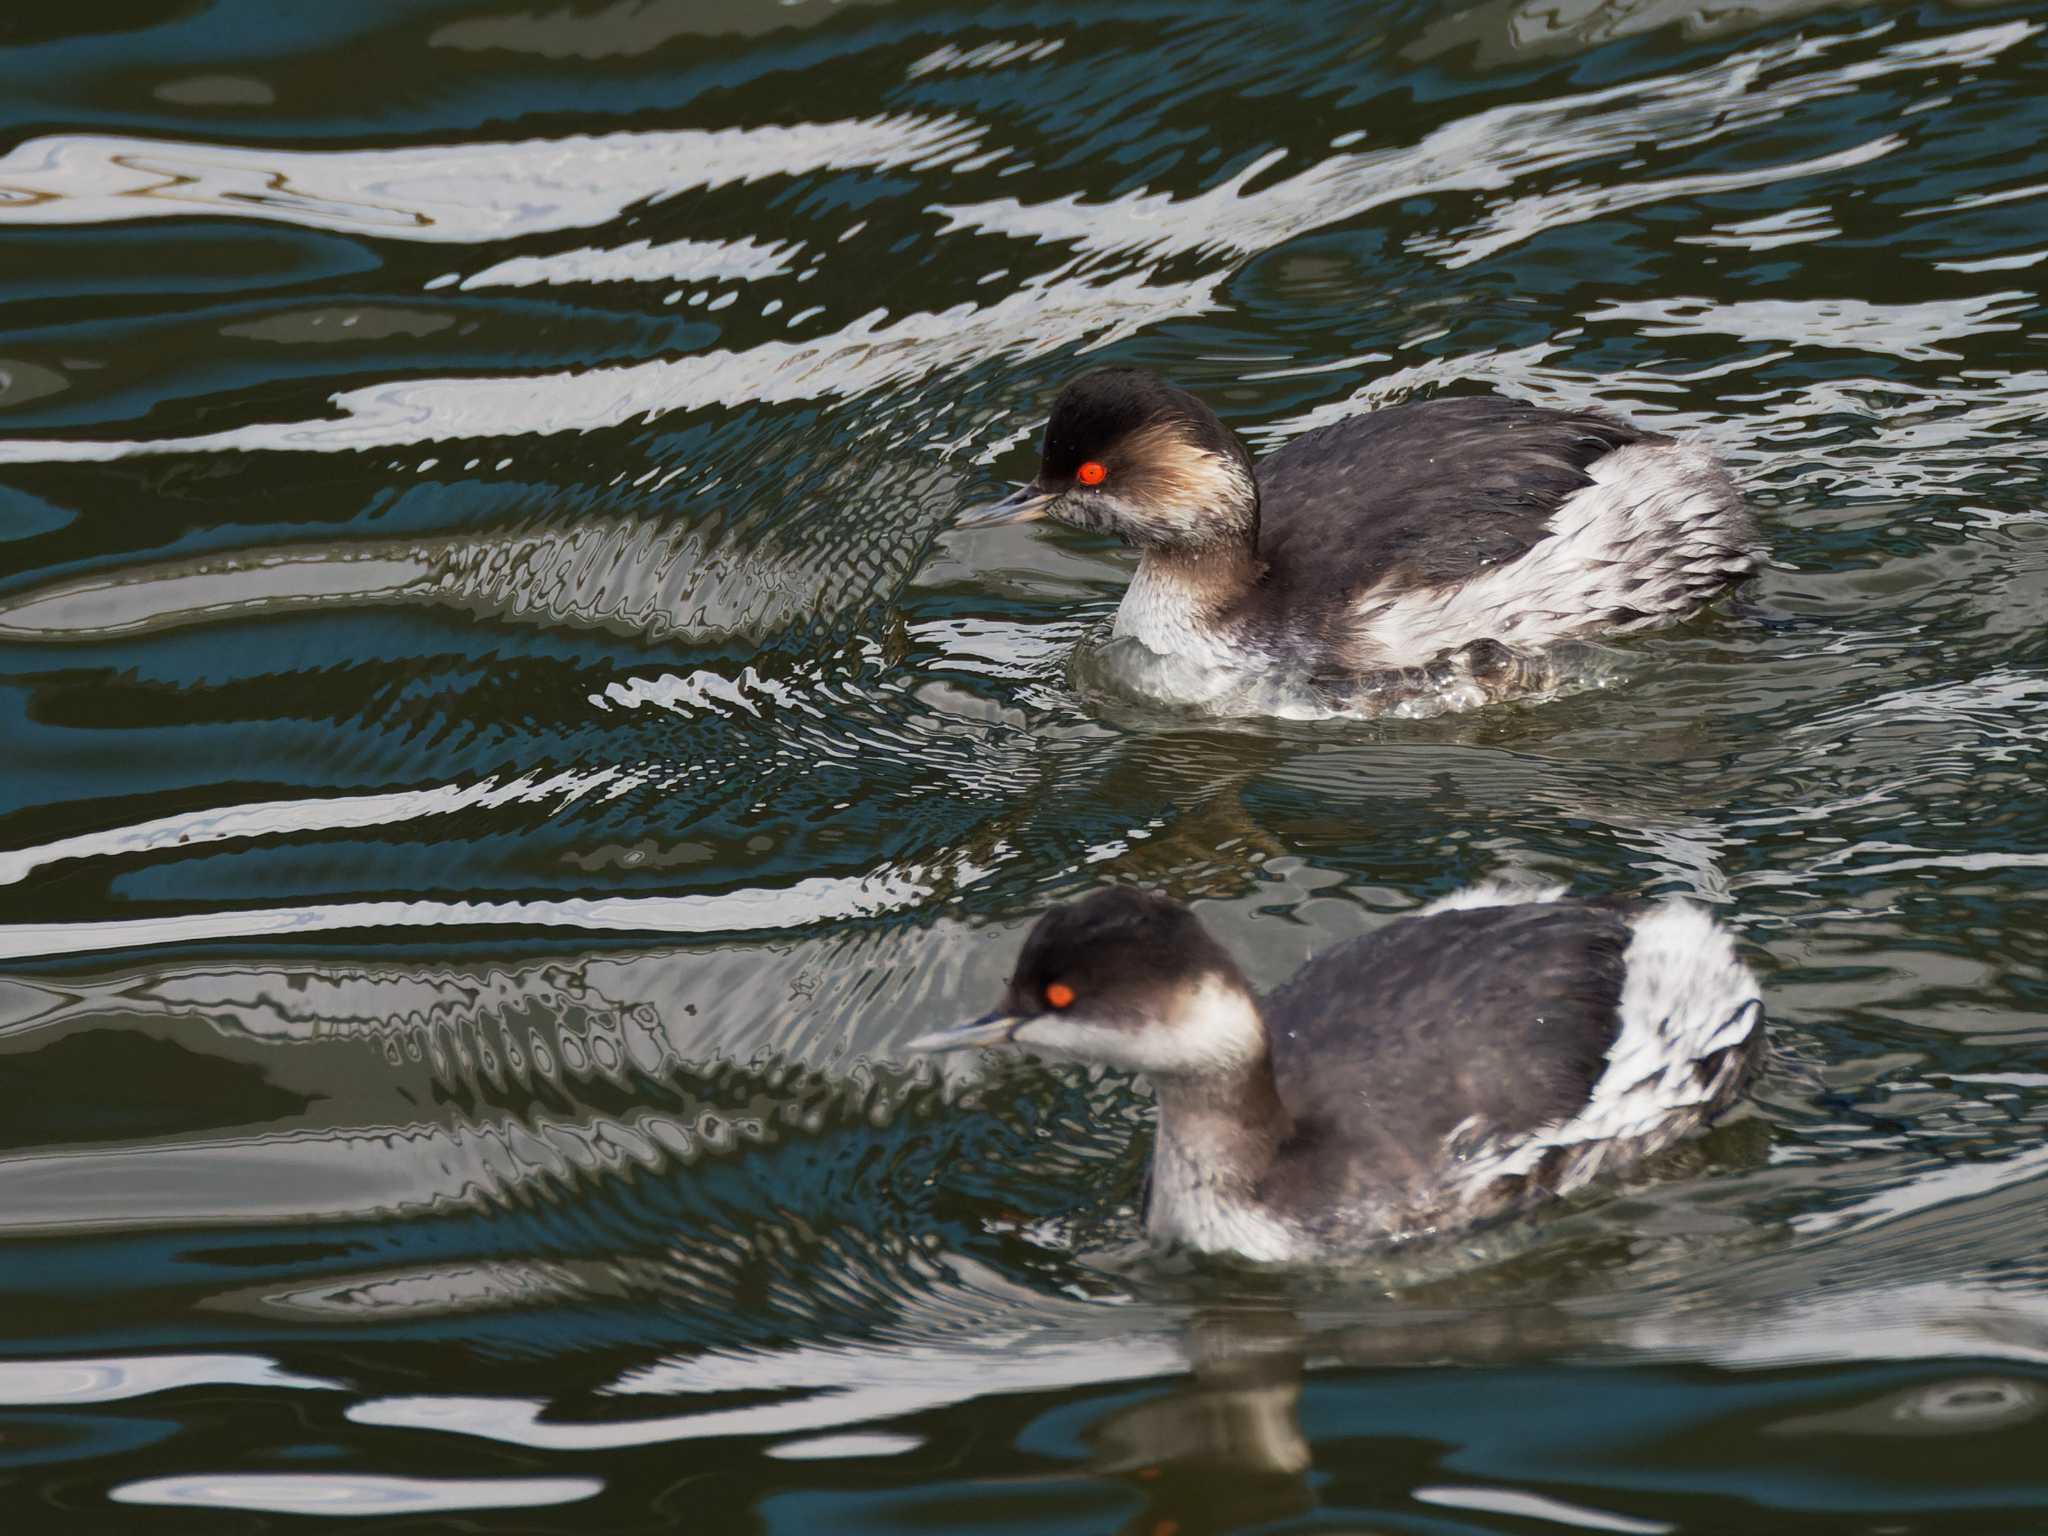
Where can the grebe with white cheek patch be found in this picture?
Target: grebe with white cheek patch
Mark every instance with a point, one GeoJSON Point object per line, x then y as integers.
{"type": "Point", "coordinates": [1453, 539]}
{"type": "Point", "coordinates": [1449, 1069]}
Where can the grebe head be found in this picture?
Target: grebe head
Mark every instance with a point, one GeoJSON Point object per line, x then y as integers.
{"type": "Point", "coordinates": [1123, 979]}
{"type": "Point", "coordinates": [1127, 453]}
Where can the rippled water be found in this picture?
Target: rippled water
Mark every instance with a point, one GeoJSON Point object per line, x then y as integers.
{"type": "Point", "coordinates": [499, 744]}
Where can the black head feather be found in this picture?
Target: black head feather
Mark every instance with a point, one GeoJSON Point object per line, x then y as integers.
{"type": "Point", "coordinates": [1117, 950]}
{"type": "Point", "coordinates": [1100, 409]}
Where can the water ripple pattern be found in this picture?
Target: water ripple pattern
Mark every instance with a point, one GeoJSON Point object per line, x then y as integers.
{"type": "Point", "coordinates": [501, 741]}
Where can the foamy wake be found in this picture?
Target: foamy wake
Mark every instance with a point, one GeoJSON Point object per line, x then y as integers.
{"type": "Point", "coordinates": [1126, 670]}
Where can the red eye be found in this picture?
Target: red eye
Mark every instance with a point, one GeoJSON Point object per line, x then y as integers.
{"type": "Point", "coordinates": [1091, 473]}
{"type": "Point", "coordinates": [1059, 994]}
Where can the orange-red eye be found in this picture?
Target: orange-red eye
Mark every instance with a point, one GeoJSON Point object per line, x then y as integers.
{"type": "Point", "coordinates": [1059, 995]}
{"type": "Point", "coordinates": [1091, 473]}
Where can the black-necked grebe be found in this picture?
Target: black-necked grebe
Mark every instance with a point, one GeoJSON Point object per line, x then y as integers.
{"type": "Point", "coordinates": [1471, 530]}
{"type": "Point", "coordinates": [1446, 1070]}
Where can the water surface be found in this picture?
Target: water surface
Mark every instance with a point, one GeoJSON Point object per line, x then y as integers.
{"type": "Point", "coordinates": [500, 745]}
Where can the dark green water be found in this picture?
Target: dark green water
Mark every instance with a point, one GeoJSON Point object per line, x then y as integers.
{"type": "Point", "coordinates": [499, 743]}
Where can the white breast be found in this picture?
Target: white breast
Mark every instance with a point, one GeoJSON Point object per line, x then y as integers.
{"type": "Point", "coordinates": [1164, 646]}
{"type": "Point", "coordinates": [1194, 1205]}
{"type": "Point", "coordinates": [1164, 614]}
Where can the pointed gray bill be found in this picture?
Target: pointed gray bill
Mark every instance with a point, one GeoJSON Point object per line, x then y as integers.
{"type": "Point", "coordinates": [1022, 505]}
{"type": "Point", "coordinates": [989, 1029]}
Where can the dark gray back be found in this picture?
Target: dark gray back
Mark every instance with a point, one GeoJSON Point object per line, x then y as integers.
{"type": "Point", "coordinates": [1425, 493]}
{"type": "Point", "coordinates": [1385, 1045]}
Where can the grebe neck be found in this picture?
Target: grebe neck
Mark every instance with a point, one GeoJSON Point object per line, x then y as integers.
{"type": "Point", "coordinates": [1179, 601]}
{"type": "Point", "coordinates": [1219, 1134]}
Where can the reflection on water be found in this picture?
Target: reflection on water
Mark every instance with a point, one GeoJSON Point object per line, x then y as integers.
{"type": "Point", "coordinates": [460, 193]}
{"type": "Point", "coordinates": [503, 742]}
{"type": "Point", "coordinates": [324, 1493]}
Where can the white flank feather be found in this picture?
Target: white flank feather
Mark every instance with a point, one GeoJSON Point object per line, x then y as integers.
{"type": "Point", "coordinates": [1502, 891]}
{"type": "Point", "coordinates": [1684, 997]}
{"type": "Point", "coordinates": [1658, 528]}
